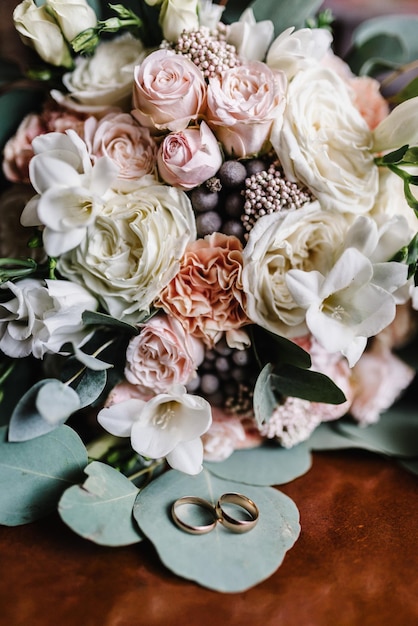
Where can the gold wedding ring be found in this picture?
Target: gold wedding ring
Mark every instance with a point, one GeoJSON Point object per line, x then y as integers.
{"type": "Point", "coordinates": [237, 525]}
{"type": "Point", "coordinates": [218, 514]}
{"type": "Point", "coordinates": [189, 528]}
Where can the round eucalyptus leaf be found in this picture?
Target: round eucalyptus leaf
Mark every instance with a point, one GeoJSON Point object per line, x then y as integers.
{"type": "Point", "coordinates": [266, 465]}
{"type": "Point", "coordinates": [327, 437]}
{"type": "Point", "coordinates": [221, 559]}
{"type": "Point", "coordinates": [101, 508]}
{"type": "Point", "coordinates": [34, 474]}
{"type": "Point", "coordinates": [56, 401]}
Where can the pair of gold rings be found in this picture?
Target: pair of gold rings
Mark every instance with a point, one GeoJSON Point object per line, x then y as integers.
{"type": "Point", "coordinates": [241, 524]}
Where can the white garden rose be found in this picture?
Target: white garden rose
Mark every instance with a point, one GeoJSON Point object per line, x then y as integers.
{"type": "Point", "coordinates": [325, 143]}
{"type": "Point", "coordinates": [41, 316]}
{"type": "Point", "coordinates": [296, 50]}
{"type": "Point", "coordinates": [133, 249]}
{"type": "Point", "coordinates": [304, 239]}
{"type": "Point", "coordinates": [41, 32]}
{"type": "Point", "coordinates": [103, 80]}
{"type": "Point", "coordinates": [72, 16]}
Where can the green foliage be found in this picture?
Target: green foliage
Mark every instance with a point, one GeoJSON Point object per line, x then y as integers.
{"type": "Point", "coordinates": [282, 14]}
{"type": "Point", "coordinates": [399, 162]}
{"type": "Point", "coordinates": [101, 508]}
{"type": "Point", "coordinates": [220, 560]}
{"type": "Point", "coordinates": [265, 466]}
{"type": "Point", "coordinates": [90, 386]}
{"type": "Point", "coordinates": [34, 474]}
{"type": "Point", "coordinates": [272, 348]}
{"type": "Point", "coordinates": [95, 318]}
{"type": "Point", "coordinates": [408, 92]}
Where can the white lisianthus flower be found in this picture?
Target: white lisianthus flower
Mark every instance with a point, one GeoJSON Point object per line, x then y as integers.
{"type": "Point", "coordinates": [133, 249]}
{"type": "Point", "coordinates": [251, 38]}
{"type": "Point", "coordinates": [352, 302]}
{"type": "Point", "coordinates": [72, 16]}
{"type": "Point", "coordinates": [305, 239]}
{"type": "Point", "coordinates": [41, 317]}
{"type": "Point", "coordinates": [104, 79]}
{"type": "Point", "coordinates": [70, 190]}
{"type": "Point", "coordinates": [325, 143]}
{"type": "Point", "coordinates": [168, 425]}
{"type": "Point", "coordinates": [40, 31]}
{"type": "Point", "coordinates": [296, 50]}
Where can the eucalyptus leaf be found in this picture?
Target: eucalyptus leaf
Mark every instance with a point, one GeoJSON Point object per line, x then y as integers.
{"type": "Point", "coordinates": [91, 361]}
{"type": "Point", "coordinates": [327, 437]}
{"type": "Point", "coordinates": [27, 422]}
{"type": "Point", "coordinates": [264, 466]}
{"type": "Point", "coordinates": [264, 399]}
{"type": "Point", "coordinates": [395, 434]}
{"type": "Point", "coordinates": [101, 509]}
{"type": "Point", "coordinates": [220, 560]}
{"type": "Point", "coordinates": [90, 386]}
{"type": "Point", "coordinates": [103, 319]}
{"type": "Point", "coordinates": [56, 401]}
{"type": "Point", "coordinates": [285, 14]}
{"type": "Point", "coordinates": [34, 474]}
{"type": "Point", "coordinates": [307, 384]}
{"type": "Point", "coordinates": [272, 348]}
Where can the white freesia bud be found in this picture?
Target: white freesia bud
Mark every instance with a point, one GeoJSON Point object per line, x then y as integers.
{"type": "Point", "coordinates": [40, 31]}
{"type": "Point", "coordinates": [251, 38]}
{"type": "Point", "coordinates": [72, 16]}
{"type": "Point", "coordinates": [177, 16]}
{"type": "Point", "coordinates": [209, 14]}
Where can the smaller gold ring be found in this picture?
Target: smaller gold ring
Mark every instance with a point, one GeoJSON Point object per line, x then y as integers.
{"type": "Point", "coordinates": [189, 528]}
{"type": "Point", "coordinates": [237, 525]}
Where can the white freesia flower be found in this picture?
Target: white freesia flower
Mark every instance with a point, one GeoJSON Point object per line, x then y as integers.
{"type": "Point", "coordinates": [133, 249]}
{"type": "Point", "coordinates": [169, 425]}
{"type": "Point", "coordinates": [70, 190]}
{"type": "Point", "coordinates": [296, 50]}
{"type": "Point", "coordinates": [325, 143]}
{"type": "Point", "coordinates": [350, 303]}
{"type": "Point", "coordinates": [251, 38]}
{"type": "Point", "coordinates": [41, 317]}
{"type": "Point", "coordinates": [399, 128]}
{"type": "Point", "coordinates": [73, 16]}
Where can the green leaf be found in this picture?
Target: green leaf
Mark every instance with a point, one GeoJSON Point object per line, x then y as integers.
{"type": "Point", "coordinates": [27, 422]}
{"type": "Point", "coordinates": [307, 384]}
{"type": "Point", "coordinates": [34, 474]}
{"type": "Point", "coordinates": [101, 509]}
{"type": "Point", "coordinates": [327, 437]}
{"type": "Point", "coordinates": [272, 348]}
{"type": "Point", "coordinates": [408, 92]}
{"type": "Point", "coordinates": [56, 402]}
{"type": "Point", "coordinates": [90, 386]}
{"type": "Point", "coordinates": [94, 318]}
{"type": "Point", "coordinates": [219, 560]}
{"type": "Point", "coordinates": [395, 434]}
{"type": "Point", "coordinates": [266, 465]}
{"type": "Point", "coordinates": [90, 361]}
{"type": "Point", "coordinates": [378, 54]}
{"type": "Point", "coordinates": [264, 399]}
{"type": "Point", "coordinates": [285, 14]}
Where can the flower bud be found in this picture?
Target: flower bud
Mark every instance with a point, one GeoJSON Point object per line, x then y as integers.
{"type": "Point", "coordinates": [72, 16]}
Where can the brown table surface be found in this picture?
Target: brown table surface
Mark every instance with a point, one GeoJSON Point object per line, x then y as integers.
{"type": "Point", "coordinates": [355, 563]}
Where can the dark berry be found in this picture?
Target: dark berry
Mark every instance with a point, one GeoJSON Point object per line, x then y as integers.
{"type": "Point", "coordinates": [232, 174]}
{"type": "Point", "coordinates": [204, 200]}
{"type": "Point", "coordinates": [234, 204]}
{"type": "Point", "coordinates": [207, 223]}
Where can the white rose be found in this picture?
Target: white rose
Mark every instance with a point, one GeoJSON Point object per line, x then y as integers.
{"type": "Point", "coordinates": [40, 31]}
{"type": "Point", "coordinates": [303, 239]}
{"type": "Point", "coordinates": [177, 16]}
{"type": "Point", "coordinates": [296, 50]}
{"type": "Point", "coordinates": [326, 144]}
{"type": "Point", "coordinates": [105, 79]}
{"type": "Point", "coordinates": [72, 16]}
{"type": "Point", "coordinates": [41, 317]}
{"type": "Point", "coordinates": [133, 249]}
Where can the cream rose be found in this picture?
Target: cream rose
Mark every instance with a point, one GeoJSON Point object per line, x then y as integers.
{"type": "Point", "coordinates": [162, 355]}
{"type": "Point", "coordinates": [326, 144]}
{"type": "Point", "coordinates": [72, 16]}
{"type": "Point", "coordinates": [133, 249]}
{"type": "Point", "coordinates": [103, 80]}
{"type": "Point", "coordinates": [188, 158]}
{"type": "Point", "coordinates": [131, 146]}
{"type": "Point", "coordinates": [40, 31]}
{"type": "Point", "coordinates": [303, 239]}
{"type": "Point", "coordinates": [169, 91]}
{"type": "Point", "coordinates": [242, 104]}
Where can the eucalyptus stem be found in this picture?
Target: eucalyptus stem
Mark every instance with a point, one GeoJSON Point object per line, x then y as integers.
{"type": "Point", "coordinates": [146, 470]}
{"type": "Point", "coordinates": [7, 373]}
{"type": "Point", "coordinates": [404, 69]}
{"type": "Point", "coordinates": [84, 367]}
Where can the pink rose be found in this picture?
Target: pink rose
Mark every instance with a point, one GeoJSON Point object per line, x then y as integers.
{"type": "Point", "coordinates": [119, 137]}
{"type": "Point", "coordinates": [18, 149]}
{"type": "Point", "coordinates": [188, 158]}
{"type": "Point", "coordinates": [242, 104]}
{"type": "Point", "coordinates": [162, 355]}
{"type": "Point", "coordinates": [368, 100]}
{"type": "Point", "coordinates": [228, 433]}
{"type": "Point", "coordinates": [169, 91]}
{"type": "Point", "coordinates": [206, 294]}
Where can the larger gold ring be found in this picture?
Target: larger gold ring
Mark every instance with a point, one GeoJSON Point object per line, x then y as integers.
{"type": "Point", "coordinates": [190, 528]}
{"type": "Point", "coordinates": [237, 525]}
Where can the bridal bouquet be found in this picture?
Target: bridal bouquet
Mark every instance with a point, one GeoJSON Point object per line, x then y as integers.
{"type": "Point", "coordinates": [209, 242]}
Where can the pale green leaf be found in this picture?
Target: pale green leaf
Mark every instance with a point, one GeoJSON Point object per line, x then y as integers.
{"type": "Point", "coordinates": [56, 401]}
{"type": "Point", "coordinates": [285, 14]}
{"type": "Point", "coordinates": [219, 560]}
{"type": "Point", "coordinates": [266, 465]}
{"type": "Point", "coordinates": [91, 361]}
{"type": "Point", "coordinates": [34, 474]}
{"type": "Point", "coordinates": [101, 509]}
{"type": "Point", "coordinates": [90, 386]}
{"type": "Point", "coordinates": [95, 318]}
{"type": "Point", "coordinates": [264, 399]}
{"type": "Point", "coordinates": [327, 437]}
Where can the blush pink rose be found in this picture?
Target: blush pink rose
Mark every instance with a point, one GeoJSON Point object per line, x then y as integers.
{"type": "Point", "coordinates": [188, 158]}
{"type": "Point", "coordinates": [119, 137]}
{"type": "Point", "coordinates": [368, 100]}
{"type": "Point", "coordinates": [242, 104]}
{"type": "Point", "coordinates": [206, 294]}
{"type": "Point", "coordinates": [161, 356]}
{"type": "Point", "coordinates": [169, 91]}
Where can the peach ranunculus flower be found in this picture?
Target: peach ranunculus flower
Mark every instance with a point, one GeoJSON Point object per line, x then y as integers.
{"type": "Point", "coordinates": [162, 355]}
{"type": "Point", "coordinates": [242, 104]}
{"type": "Point", "coordinates": [206, 294]}
{"type": "Point", "coordinates": [187, 158]}
{"type": "Point", "coordinates": [169, 91]}
{"type": "Point", "coordinates": [119, 137]}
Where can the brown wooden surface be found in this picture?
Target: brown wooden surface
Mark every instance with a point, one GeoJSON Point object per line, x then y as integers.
{"type": "Point", "coordinates": [355, 563]}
